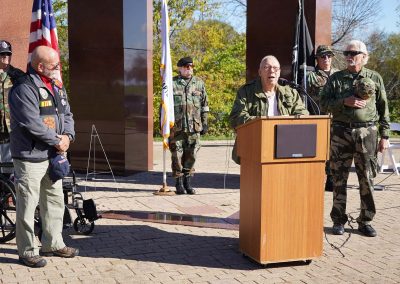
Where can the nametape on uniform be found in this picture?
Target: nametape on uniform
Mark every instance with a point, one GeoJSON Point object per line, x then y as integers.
{"type": "Point", "coordinates": [46, 104]}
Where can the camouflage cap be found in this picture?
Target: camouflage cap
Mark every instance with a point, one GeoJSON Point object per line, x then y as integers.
{"type": "Point", "coordinates": [364, 88]}
{"type": "Point", "coordinates": [5, 47]}
{"type": "Point", "coordinates": [184, 61]}
{"type": "Point", "coordinates": [324, 49]}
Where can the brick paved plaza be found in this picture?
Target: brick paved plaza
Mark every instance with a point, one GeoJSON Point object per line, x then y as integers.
{"type": "Point", "coordinates": [131, 251]}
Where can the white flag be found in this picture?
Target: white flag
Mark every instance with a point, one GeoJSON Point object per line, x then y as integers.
{"type": "Point", "coordinates": [167, 109]}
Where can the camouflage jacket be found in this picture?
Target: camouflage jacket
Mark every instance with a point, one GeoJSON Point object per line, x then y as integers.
{"type": "Point", "coordinates": [251, 102]}
{"type": "Point", "coordinates": [316, 81]}
{"type": "Point", "coordinates": [341, 85]}
{"type": "Point", "coordinates": [190, 104]}
{"type": "Point", "coordinates": [6, 82]}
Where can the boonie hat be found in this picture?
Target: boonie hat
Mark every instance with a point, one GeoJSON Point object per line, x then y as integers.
{"type": "Point", "coordinates": [324, 49]}
{"type": "Point", "coordinates": [59, 168]}
{"type": "Point", "coordinates": [365, 88]}
{"type": "Point", "coordinates": [184, 61]}
{"type": "Point", "coordinates": [5, 47]}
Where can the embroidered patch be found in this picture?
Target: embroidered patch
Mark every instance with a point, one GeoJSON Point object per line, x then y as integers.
{"type": "Point", "coordinates": [50, 122]}
{"type": "Point", "coordinates": [61, 92]}
{"type": "Point", "coordinates": [46, 103]}
{"type": "Point", "coordinates": [43, 93]}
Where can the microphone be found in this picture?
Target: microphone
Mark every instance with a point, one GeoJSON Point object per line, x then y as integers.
{"type": "Point", "coordinates": [285, 82]}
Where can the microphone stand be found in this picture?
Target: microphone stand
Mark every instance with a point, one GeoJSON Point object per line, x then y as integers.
{"type": "Point", "coordinates": [307, 97]}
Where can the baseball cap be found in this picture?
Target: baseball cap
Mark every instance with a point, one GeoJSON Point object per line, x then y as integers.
{"type": "Point", "coordinates": [59, 168]}
{"type": "Point", "coordinates": [5, 47]}
{"type": "Point", "coordinates": [365, 88]}
{"type": "Point", "coordinates": [184, 61]}
{"type": "Point", "coordinates": [324, 49]}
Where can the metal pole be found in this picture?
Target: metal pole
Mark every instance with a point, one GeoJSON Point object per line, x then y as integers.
{"type": "Point", "coordinates": [304, 54]}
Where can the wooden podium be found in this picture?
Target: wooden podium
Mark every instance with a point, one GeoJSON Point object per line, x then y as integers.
{"type": "Point", "coordinates": [282, 176]}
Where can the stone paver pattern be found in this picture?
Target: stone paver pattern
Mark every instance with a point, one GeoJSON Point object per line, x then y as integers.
{"type": "Point", "coordinates": [120, 251]}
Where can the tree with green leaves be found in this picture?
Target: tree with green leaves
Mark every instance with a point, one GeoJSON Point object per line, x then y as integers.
{"type": "Point", "coordinates": [385, 59]}
{"type": "Point", "coordinates": [218, 51]}
{"type": "Point", "coordinates": [60, 8]}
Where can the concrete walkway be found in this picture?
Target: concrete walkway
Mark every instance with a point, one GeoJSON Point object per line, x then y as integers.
{"type": "Point", "coordinates": [126, 251]}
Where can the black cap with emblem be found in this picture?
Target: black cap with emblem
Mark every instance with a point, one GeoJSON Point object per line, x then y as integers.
{"type": "Point", "coordinates": [185, 61]}
{"type": "Point", "coordinates": [5, 47]}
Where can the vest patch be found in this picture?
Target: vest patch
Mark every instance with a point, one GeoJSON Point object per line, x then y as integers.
{"type": "Point", "coordinates": [50, 121]}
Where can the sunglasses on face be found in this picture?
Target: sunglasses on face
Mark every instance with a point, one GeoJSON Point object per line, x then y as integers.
{"type": "Point", "coordinates": [5, 54]}
{"type": "Point", "coordinates": [325, 56]}
{"type": "Point", "coordinates": [351, 53]}
{"type": "Point", "coordinates": [187, 66]}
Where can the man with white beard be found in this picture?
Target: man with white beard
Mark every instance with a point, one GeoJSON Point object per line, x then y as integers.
{"type": "Point", "coordinates": [41, 127]}
{"type": "Point", "coordinates": [357, 100]}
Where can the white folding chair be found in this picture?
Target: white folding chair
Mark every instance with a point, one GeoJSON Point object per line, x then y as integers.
{"type": "Point", "coordinates": [389, 155]}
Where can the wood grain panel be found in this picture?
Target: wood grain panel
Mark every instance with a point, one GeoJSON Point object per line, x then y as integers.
{"type": "Point", "coordinates": [281, 201]}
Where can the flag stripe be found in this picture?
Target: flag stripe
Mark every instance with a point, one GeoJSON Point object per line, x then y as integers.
{"type": "Point", "coordinates": [43, 30]}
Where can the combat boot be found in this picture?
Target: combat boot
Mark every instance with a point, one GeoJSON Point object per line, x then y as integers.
{"type": "Point", "coordinates": [188, 186]}
{"type": "Point", "coordinates": [180, 189]}
{"type": "Point", "coordinates": [329, 183]}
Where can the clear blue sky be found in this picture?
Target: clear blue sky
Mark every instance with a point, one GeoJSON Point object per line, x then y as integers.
{"type": "Point", "coordinates": [388, 20]}
{"type": "Point", "coordinates": [389, 17]}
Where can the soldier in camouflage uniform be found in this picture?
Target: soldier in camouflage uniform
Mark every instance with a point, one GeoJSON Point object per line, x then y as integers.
{"type": "Point", "coordinates": [316, 81]}
{"type": "Point", "coordinates": [8, 74]}
{"type": "Point", "coordinates": [356, 98]}
{"type": "Point", "coordinates": [191, 110]}
{"type": "Point", "coordinates": [264, 97]}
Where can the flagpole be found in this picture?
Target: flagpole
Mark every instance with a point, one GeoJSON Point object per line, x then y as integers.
{"type": "Point", "coordinates": [167, 118]}
{"type": "Point", "coordinates": [164, 168]}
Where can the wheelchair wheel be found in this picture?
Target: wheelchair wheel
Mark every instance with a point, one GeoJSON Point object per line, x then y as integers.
{"type": "Point", "coordinates": [7, 211]}
{"type": "Point", "coordinates": [83, 226]}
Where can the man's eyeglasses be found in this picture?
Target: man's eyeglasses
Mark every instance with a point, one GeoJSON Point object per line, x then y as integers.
{"type": "Point", "coordinates": [273, 68]}
{"type": "Point", "coordinates": [5, 54]}
{"type": "Point", "coordinates": [351, 53]}
{"type": "Point", "coordinates": [53, 66]}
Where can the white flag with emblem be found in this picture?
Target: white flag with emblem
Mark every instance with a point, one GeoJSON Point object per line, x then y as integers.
{"type": "Point", "coordinates": [167, 118]}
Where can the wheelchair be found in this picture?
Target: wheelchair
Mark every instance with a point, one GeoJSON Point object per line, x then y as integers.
{"type": "Point", "coordinates": [85, 209]}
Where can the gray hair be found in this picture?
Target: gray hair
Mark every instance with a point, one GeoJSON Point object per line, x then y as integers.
{"type": "Point", "coordinates": [360, 47]}
{"type": "Point", "coordinates": [265, 58]}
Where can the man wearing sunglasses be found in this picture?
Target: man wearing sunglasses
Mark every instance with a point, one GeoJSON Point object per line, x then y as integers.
{"type": "Point", "coordinates": [41, 126]}
{"type": "Point", "coordinates": [191, 111]}
{"type": "Point", "coordinates": [316, 81]}
{"type": "Point", "coordinates": [357, 123]}
{"type": "Point", "coordinates": [8, 75]}
{"type": "Point", "coordinates": [264, 97]}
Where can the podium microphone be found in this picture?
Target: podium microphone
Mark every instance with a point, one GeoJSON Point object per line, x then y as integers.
{"type": "Point", "coordinates": [285, 82]}
{"type": "Point", "coordinates": [293, 85]}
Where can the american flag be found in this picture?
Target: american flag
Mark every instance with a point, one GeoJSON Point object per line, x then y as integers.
{"type": "Point", "coordinates": [43, 26]}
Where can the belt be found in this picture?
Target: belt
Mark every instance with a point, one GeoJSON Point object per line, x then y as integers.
{"type": "Point", "coordinates": [353, 124]}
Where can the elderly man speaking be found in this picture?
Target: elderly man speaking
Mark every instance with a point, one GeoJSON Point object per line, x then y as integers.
{"type": "Point", "coordinates": [356, 98]}
{"type": "Point", "coordinates": [264, 97]}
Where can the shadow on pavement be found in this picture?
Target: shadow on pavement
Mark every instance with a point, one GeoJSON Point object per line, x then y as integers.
{"type": "Point", "coordinates": [200, 180]}
{"type": "Point", "coordinates": [145, 243]}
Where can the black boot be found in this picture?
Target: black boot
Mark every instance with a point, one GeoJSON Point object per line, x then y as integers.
{"type": "Point", "coordinates": [188, 186]}
{"type": "Point", "coordinates": [329, 183]}
{"type": "Point", "coordinates": [180, 189]}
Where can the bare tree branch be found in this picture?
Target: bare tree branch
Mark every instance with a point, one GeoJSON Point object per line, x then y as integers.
{"type": "Point", "coordinates": [350, 16]}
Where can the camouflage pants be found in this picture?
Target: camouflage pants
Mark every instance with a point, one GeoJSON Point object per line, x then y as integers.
{"type": "Point", "coordinates": [184, 148]}
{"type": "Point", "coordinates": [346, 144]}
